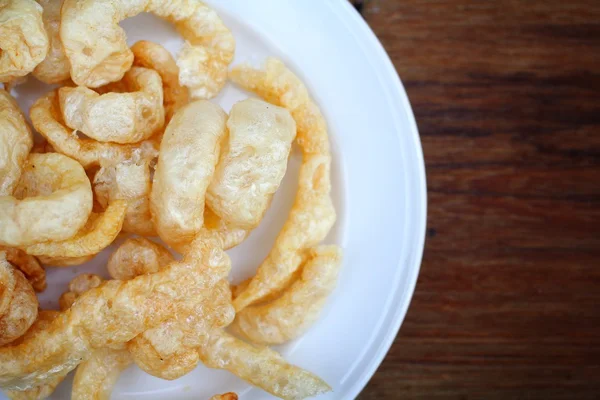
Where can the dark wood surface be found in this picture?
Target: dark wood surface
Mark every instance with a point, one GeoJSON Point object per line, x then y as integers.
{"type": "Point", "coordinates": [507, 98]}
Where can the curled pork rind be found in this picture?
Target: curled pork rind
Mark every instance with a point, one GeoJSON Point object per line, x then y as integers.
{"type": "Point", "coordinates": [312, 214]}
{"type": "Point", "coordinates": [55, 68]}
{"type": "Point", "coordinates": [154, 56]}
{"type": "Point", "coordinates": [113, 314]}
{"type": "Point", "coordinates": [290, 315]}
{"type": "Point", "coordinates": [18, 303]}
{"type": "Point", "coordinates": [97, 234]}
{"type": "Point", "coordinates": [45, 317]}
{"type": "Point", "coordinates": [23, 39]}
{"type": "Point", "coordinates": [47, 120]}
{"type": "Point", "coordinates": [119, 117]}
{"type": "Point", "coordinates": [189, 152]}
{"type": "Point", "coordinates": [253, 162]}
{"type": "Point", "coordinates": [129, 181]}
{"type": "Point", "coordinates": [137, 256]}
{"type": "Point", "coordinates": [52, 202]}
{"type": "Point", "coordinates": [97, 59]}
{"type": "Point", "coordinates": [28, 265]}
{"type": "Point", "coordinates": [15, 143]}
{"type": "Point", "coordinates": [261, 367]}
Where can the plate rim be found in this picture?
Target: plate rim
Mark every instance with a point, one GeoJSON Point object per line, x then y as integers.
{"type": "Point", "coordinates": [395, 89]}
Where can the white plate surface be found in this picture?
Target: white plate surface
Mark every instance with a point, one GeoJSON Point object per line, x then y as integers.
{"type": "Point", "coordinates": [379, 191]}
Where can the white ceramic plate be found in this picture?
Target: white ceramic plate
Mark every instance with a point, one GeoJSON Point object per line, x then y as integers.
{"type": "Point", "coordinates": [379, 191]}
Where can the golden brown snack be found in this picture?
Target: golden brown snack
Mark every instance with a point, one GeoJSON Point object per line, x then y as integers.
{"type": "Point", "coordinates": [114, 313]}
{"type": "Point", "coordinates": [230, 235]}
{"type": "Point", "coordinates": [225, 396]}
{"type": "Point", "coordinates": [16, 141]}
{"type": "Point", "coordinates": [47, 120]}
{"type": "Point", "coordinates": [18, 303]}
{"type": "Point", "coordinates": [189, 152]}
{"type": "Point", "coordinates": [152, 55]}
{"type": "Point", "coordinates": [253, 162]}
{"type": "Point", "coordinates": [45, 317]}
{"type": "Point", "coordinates": [137, 256]}
{"type": "Point", "coordinates": [98, 233]}
{"type": "Point", "coordinates": [64, 261]}
{"type": "Point", "coordinates": [99, 59]}
{"type": "Point", "coordinates": [28, 265]}
{"type": "Point", "coordinates": [260, 366]}
{"type": "Point", "coordinates": [78, 286]}
{"type": "Point", "coordinates": [312, 214]}
{"type": "Point", "coordinates": [52, 201]}
{"type": "Point", "coordinates": [96, 376]}
{"type": "Point", "coordinates": [55, 68]}
{"type": "Point", "coordinates": [290, 315]}
{"type": "Point", "coordinates": [23, 39]}
{"type": "Point", "coordinates": [130, 114]}
{"type": "Point", "coordinates": [169, 351]}
{"type": "Point", "coordinates": [130, 181]}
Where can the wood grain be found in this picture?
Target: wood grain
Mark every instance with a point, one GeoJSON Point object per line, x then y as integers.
{"type": "Point", "coordinates": [507, 98]}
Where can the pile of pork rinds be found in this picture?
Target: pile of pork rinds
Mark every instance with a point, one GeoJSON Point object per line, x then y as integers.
{"type": "Point", "coordinates": [132, 147]}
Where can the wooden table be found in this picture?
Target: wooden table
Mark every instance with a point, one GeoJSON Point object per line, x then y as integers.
{"type": "Point", "coordinates": [507, 98]}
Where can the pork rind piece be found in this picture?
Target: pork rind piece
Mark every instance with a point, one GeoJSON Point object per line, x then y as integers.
{"type": "Point", "coordinates": [23, 39]}
{"type": "Point", "coordinates": [113, 314]}
{"type": "Point", "coordinates": [137, 256]}
{"type": "Point", "coordinates": [128, 181]}
{"type": "Point", "coordinates": [28, 265]}
{"type": "Point", "coordinates": [55, 68]}
{"type": "Point", "coordinates": [45, 317]}
{"type": "Point", "coordinates": [18, 303]}
{"type": "Point", "coordinates": [47, 120]}
{"type": "Point", "coordinates": [133, 113]}
{"type": "Point", "coordinates": [154, 56]}
{"type": "Point", "coordinates": [300, 305]}
{"type": "Point", "coordinates": [52, 202]}
{"type": "Point", "coordinates": [16, 141]}
{"type": "Point", "coordinates": [189, 152]}
{"type": "Point", "coordinates": [97, 234]}
{"type": "Point", "coordinates": [260, 366]}
{"type": "Point", "coordinates": [312, 214]}
{"type": "Point", "coordinates": [96, 377]}
{"type": "Point", "coordinates": [253, 162]}
{"type": "Point", "coordinates": [97, 59]}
